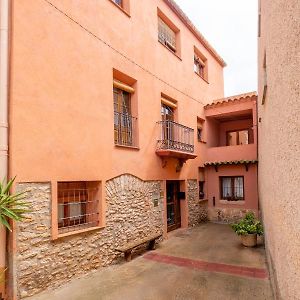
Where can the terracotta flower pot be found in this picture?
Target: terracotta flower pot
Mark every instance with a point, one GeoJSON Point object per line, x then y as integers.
{"type": "Point", "coordinates": [249, 240]}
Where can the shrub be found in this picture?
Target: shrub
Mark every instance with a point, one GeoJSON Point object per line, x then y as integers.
{"type": "Point", "coordinates": [248, 225]}
{"type": "Point", "coordinates": [11, 205]}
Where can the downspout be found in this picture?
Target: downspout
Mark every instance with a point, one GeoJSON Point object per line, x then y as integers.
{"type": "Point", "coordinates": [4, 13]}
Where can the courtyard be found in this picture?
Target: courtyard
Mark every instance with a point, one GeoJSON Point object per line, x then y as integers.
{"type": "Point", "coordinates": [204, 262]}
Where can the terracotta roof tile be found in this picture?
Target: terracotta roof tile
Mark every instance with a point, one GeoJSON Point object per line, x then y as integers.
{"type": "Point", "coordinates": [231, 99]}
{"type": "Point", "coordinates": [232, 162]}
{"type": "Point", "coordinates": [178, 11]}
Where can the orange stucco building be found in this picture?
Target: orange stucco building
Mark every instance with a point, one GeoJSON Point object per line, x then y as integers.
{"type": "Point", "coordinates": [114, 134]}
{"type": "Point", "coordinates": [279, 141]}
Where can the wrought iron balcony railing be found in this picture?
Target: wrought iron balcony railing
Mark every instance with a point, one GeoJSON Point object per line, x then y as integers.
{"type": "Point", "coordinates": [176, 137]}
{"type": "Point", "coordinates": [125, 129]}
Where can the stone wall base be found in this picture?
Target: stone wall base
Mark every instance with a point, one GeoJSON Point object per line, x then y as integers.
{"type": "Point", "coordinates": [133, 211]}
{"type": "Point", "coordinates": [197, 208]}
{"type": "Point", "coordinates": [227, 215]}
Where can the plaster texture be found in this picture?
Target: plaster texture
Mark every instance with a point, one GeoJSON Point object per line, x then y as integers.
{"type": "Point", "coordinates": [279, 141]}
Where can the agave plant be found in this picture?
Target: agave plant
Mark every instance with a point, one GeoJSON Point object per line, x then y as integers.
{"type": "Point", "coordinates": [12, 206]}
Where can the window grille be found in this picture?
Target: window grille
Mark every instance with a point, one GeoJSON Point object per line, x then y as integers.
{"type": "Point", "coordinates": [78, 205]}
{"type": "Point", "coordinates": [166, 35]}
{"type": "Point", "coordinates": [124, 122]}
{"type": "Point", "coordinates": [232, 188]}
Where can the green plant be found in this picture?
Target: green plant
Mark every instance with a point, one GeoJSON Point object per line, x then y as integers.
{"type": "Point", "coordinates": [12, 206]}
{"type": "Point", "coordinates": [248, 225]}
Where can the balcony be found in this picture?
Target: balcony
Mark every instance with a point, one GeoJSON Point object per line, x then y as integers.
{"type": "Point", "coordinates": [175, 140]}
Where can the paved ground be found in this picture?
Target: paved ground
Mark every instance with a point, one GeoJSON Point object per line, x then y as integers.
{"type": "Point", "coordinates": [206, 262]}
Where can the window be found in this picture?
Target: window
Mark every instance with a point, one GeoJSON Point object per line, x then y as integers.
{"type": "Point", "coordinates": [118, 2]}
{"type": "Point", "coordinates": [201, 183]}
{"type": "Point", "coordinates": [78, 205]}
{"type": "Point", "coordinates": [200, 64]}
{"type": "Point", "coordinates": [239, 137]}
{"type": "Point", "coordinates": [232, 188]}
{"type": "Point", "coordinates": [124, 122]}
{"type": "Point", "coordinates": [200, 124]}
{"type": "Point", "coordinates": [166, 35]}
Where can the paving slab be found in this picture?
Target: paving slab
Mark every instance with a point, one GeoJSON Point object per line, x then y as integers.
{"type": "Point", "coordinates": [205, 262]}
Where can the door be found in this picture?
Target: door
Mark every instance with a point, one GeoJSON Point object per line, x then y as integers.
{"type": "Point", "coordinates": [173, 205]}
{"type": "Point", "coordinates": [167, 116]}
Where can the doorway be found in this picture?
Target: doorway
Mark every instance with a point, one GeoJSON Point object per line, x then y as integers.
{"type": "Point", "coordinates": [173, 205]}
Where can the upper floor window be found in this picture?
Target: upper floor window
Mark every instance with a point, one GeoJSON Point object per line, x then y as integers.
{"type": "Point", "coordinates": [124, 121]}
{"type": "Point", "coordinates": [232, 188]}
{"type": "Point", "coordinates": [200, 125]}
{"type": "Point", "coordinates": [166, 35]}
{"type": "Point", "coordinates": [118, 2]}
{"type": "Point", "coordinates": [238, 137]}
{"type": "Point", "coordinates": [200, 64]}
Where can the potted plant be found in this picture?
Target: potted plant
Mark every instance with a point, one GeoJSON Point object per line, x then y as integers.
{"type": "Point", "coordinates": [248, 228]}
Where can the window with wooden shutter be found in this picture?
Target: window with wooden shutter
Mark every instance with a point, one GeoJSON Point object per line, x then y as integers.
{"type": "Point", "coordinates": [166, 35]}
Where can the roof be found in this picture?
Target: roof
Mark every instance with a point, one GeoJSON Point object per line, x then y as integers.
{"type": "Point", "coordinates": [232, 162]}
{"type": "Point", "coordinates": [183, 17]}
{"type": "Point", "coordinates": [234, 98]}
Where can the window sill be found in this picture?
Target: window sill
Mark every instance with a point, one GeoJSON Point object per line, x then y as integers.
{"type": "Point", "coordinates": [127, 147]}
{"type": "Point", "coordinates": [174, 53]}
{"type": "Point", "coordinates": [120, 8]}
{"type": "Point", "coordinates": [238, 202]}
{"type": "Point", "coordinates": [62, 235]}
{"type": "Point", "coordinates": [201, 77]}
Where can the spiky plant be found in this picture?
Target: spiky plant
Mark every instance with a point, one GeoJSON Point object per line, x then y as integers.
{"type": "Point", "coordinates": [12, 206]}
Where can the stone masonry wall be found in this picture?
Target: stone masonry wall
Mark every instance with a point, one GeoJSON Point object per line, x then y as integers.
{"type": "Point", "coordinates": [197, 208]}
{"type": "Point", "coordinates": [227, 215]}
{"type": "Point", "coordinates": [42, 263]}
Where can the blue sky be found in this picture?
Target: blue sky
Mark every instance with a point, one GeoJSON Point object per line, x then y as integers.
{"type": "Point", "coordinates": [230, 26]}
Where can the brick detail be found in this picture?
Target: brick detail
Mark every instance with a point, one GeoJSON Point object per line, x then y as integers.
{"type": "Point", "coordinates": [208, 266]}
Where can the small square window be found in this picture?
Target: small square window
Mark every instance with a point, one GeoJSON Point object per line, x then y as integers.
{"type": "Point", "coordinates": [78, 205]}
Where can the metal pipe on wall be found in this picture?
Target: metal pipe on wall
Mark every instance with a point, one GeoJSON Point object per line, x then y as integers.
{"type": "Point", "coordinates": [4, 21]}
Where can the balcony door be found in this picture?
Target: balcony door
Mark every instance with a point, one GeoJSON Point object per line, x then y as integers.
{"type": "Point", "coordinates": [173, 205]}
{"type": "Point", "coordinates": [167, 116]}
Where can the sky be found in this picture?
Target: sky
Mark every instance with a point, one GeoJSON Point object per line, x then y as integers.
{"type": "Point", "coordinates": [230, 26]}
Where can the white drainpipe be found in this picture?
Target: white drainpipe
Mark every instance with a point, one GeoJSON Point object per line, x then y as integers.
{"type": "Point", "coordinates": [4, 15]}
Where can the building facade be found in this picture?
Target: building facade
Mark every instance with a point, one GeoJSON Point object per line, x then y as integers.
{"type": "Point", "coordinates": [113, 134]}
{"type": "Point", "coordinates": [279, 141]}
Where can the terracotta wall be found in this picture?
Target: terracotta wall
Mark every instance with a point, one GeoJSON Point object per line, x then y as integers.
{"type": "Point", "coordinates": [279, 142]}
{"type": "Point", "coordinates": [250, 184]}
{"type": "Point", "coordinates": [61, 89]}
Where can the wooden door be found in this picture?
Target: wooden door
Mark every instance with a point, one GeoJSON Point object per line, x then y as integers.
{"type": "Point", "coordinates": [173, 205]}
